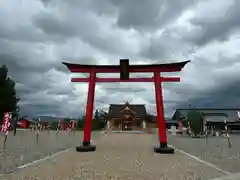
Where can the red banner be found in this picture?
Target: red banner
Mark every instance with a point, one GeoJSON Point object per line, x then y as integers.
{"type": "Point", "coordinates": [6, 122]}
{"type": "Point", "coordinates": [72, 124]}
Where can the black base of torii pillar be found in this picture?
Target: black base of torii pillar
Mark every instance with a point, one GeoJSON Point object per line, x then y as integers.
{"type": "Point", "coordinates": [86, 144]}
{"type": "Point", "coordinates": [163, 148]}
{"type": "Point", "coordinates": [86, 147]}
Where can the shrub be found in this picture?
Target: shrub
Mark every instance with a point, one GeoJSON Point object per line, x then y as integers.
{"type": "Point", "coordinates": [195, 119]}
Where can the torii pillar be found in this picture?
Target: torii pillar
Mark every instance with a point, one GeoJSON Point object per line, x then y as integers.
{"type": "Point", "coordinates": [124, 69]}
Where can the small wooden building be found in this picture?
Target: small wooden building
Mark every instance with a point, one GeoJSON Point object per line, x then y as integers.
{"type": "Point", "coordinates": [26, 122]}
{"type": "Point", "coordinates": [129, 117]}
{"type": "Point", "coordinates": [214, 117]}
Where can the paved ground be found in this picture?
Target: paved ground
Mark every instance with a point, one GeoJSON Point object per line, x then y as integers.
{"type": "Point", "coordinates": [215, 150]}
{"type": "Point", "coordinates": [22, 148]}
{"type": "Point", "coordinates": [118, 156]}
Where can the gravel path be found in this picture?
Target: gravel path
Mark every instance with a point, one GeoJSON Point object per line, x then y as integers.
{"type": "Point", "coordinates": [118, 156]}
{"type": "Point", "coordinates": [22, 148]}
{"type": "Point", "coordinates": [215, 150]}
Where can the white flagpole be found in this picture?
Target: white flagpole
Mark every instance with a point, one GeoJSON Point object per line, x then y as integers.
{"type": "Point", "coordinates": [38, 129]}
{"type": "Point", "coordinates": [227, 135]}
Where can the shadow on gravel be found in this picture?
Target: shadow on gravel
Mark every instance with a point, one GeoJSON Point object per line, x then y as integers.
{"type": "Point", "coordinates": [23, 148]}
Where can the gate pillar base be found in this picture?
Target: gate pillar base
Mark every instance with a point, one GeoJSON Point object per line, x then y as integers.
{"type": "Point", "coordinates": [86, 147]}
{"type": "Point", "coordinates": [164, 149]}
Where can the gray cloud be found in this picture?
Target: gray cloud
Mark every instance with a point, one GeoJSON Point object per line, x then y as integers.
{"type": "Point", "coordinates": [225, 96]}
{"type": "Point", "coordinates": [142, 15]}
{"type": "Point", "coordinates": [215, 26]}
{"type": "Point", "coordinates": [90, 32]}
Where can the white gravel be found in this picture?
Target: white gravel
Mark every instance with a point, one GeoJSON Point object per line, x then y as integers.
{"type": "Point", "coordinates": [118, 156]}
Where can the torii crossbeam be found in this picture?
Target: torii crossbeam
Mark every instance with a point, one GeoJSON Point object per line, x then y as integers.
{"type": "Point", "coordinates": [156, 69]}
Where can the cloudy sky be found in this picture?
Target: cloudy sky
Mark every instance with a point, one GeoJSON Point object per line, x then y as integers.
{"type": "Point", "coordinates": [37, 35]}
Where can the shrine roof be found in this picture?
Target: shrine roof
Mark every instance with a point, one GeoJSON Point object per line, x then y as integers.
{"type": "Point", "coordinates": [115, 110]}
{"type": "Point", "coordinates": [169, 67]}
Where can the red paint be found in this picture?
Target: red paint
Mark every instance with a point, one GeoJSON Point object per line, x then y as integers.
{"type": "Point", "coordinates": [23, 123]}
{"type": "Point", "coordinates": [157, 79]}
{"type": "Point", "coordinates": [160, 109]}
{"type": "Point", "coordinates": [89, 109]}
{"type": "Point", "coordinates": [103, 80]}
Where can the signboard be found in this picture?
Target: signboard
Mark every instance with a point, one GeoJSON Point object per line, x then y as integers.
{"type": "Point", "coordinates": [6, 122]}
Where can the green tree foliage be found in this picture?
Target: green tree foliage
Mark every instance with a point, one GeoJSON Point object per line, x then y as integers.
{"type": "Point", "coordinates": [67, 120]}
{"type": "Point", "coordinates": [195, 119]}
{"type": "Point", "coordinates": [97, 125]}
{"type": "Point", "coordinates": [185, 122]}
{"type": "Point", "coordinates": [8, 99]}
{"type": "Point", "coordinates": [98, 121]}
{"type": "Point", "coordinates": [101, 116]}
{"type": "Point", "coordinates": [80, 124]}
{"type": "Point", "coordinates": [54, 125]}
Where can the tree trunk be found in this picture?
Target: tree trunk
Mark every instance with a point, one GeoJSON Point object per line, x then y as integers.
{"type": "Point", "coordinates": [1, 117]}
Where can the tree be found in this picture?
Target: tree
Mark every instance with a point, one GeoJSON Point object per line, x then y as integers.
{"type": "Point", "coordinates": [195, 119]}
{"type": "Point", "coordinates": [67, 120]}
{"type": "Point", "coordinates": [54, 125]}
{"type": "Point", "coordinates": [96, 115]}
{"type": "Point", "coordinates": [185, 122]}
{"type": "Point", "coordinates": [80, 124]}
{"type": "Point", "coordinates": [8, 99]}
{"type": "Point", "coordinates": [103, 116]}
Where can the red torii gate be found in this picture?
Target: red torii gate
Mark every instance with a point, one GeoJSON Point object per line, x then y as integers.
{"type": "Point", "coordinates": [156, 69]}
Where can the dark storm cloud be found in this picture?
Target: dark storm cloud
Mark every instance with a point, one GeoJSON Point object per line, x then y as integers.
{"type": "Point", "coordinates": [33, 110]}
{"type": "Point", "coordinates": [224, 96]}
{"type": "Point", "coordinates": [149, 15]}
{"type": "Point", "coordinates": [32, 79]}
{"type": "Point", "coordinates": [86, 29]}
{"type": "Point", "coordinates": [162, 48]}
{"type": "Point", "coordinates": [215, 27]}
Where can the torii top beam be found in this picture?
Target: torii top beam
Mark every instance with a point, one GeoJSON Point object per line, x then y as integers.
{"type": "Point", "coordinates": [170, 67]}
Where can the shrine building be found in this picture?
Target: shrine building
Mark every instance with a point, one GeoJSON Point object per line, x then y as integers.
{"type": "Point", "coordinates": [129, 117]}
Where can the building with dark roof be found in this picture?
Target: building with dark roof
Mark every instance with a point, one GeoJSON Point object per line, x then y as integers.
{"type": "Point", "coordinates": [168, 120]}
{"type": "Point", "coordinates": [129, 117]}
{"type": "Point", "coordinates": [26, 122]}
{"type": "Point", "coordinates": [213, 117]}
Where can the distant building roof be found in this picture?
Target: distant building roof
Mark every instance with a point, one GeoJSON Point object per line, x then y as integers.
{"type": "Point", "coordinates": [115, 110]}
{"type": "Point", "coordinates": [167, 119]}
{"type": "Point", "coordinates": [28, 119]}
{"type": "Point", "coordinates": [216, 118]}
{"type": "Point", "coordinates": [217, 114]}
